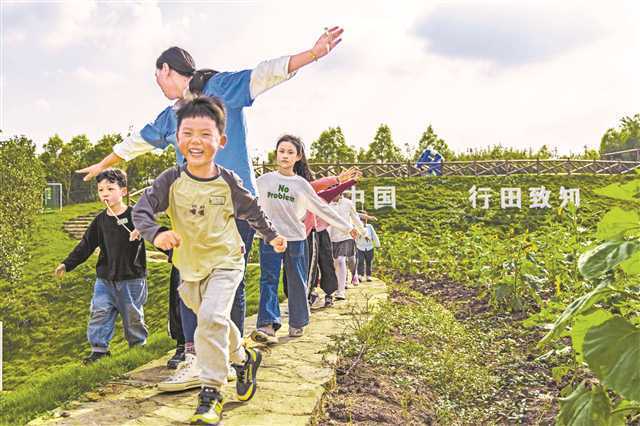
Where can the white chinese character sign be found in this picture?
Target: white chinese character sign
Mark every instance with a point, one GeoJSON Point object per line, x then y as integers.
{"type": "Point", "coordinates": [511, 198]}
{"type": "Point", "coordinates": [569, 195]}
{"type": "Point", "coordinates": [384, 196]}
{"type": "Point", "coordinates": [483, 194]}
{"type": "Point", "coordinates": [357, 196]}
{"type": "Point", "coordinates": [539, 198]}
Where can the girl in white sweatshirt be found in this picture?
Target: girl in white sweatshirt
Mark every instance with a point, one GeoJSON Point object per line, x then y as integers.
{"type": "Point", "coordinates": [285, 197]}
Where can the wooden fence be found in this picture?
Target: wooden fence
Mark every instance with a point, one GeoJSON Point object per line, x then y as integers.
{"type": "Point", "coordinates": [475, 168]}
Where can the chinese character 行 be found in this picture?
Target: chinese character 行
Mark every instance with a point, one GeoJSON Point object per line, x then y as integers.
{"type": "Point", "coordinates": [482, 193]}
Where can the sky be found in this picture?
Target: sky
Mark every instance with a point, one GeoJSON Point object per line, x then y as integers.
{"type": "Point", "coordinates": [520, 73]}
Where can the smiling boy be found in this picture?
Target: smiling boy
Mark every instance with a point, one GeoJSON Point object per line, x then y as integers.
{"type": "Point", "coordinates": [203, 201]}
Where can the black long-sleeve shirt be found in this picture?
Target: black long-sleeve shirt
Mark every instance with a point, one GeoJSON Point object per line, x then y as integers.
{"type": "Point", "coordinates": [119, 259]}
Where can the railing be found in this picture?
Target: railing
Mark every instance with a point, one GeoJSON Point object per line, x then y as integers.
{"type": "Point", "coordinates": [627, 154]}
{"type": "Point", "coordinates": [474, 168]}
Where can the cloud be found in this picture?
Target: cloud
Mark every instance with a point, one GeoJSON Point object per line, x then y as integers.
{"type": "Point", "coordinates": [97, 78]}
{"type": "Point", "coordinates": [42, 105]}
{"type": "Point", "coordinates": [505, 33]}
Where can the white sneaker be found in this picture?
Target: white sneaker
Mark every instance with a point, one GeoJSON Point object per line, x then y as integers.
{"type": "Point", "coordinates": [296, 332]}
{"type": "Point", "coordinates": [187, 376]}
{"type": "Point", "coordinates": [266, 335]}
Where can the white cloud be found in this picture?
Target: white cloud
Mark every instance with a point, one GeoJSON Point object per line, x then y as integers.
{"type": "Point", "coordinates": [98, 60]}
{"type": "Point", "coordinates": [42, 105]}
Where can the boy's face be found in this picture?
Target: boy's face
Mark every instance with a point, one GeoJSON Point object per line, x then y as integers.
{"type": "Point", "coordinates": [199, 140]}
{"type": "Point", "coordinates": [110, 192]}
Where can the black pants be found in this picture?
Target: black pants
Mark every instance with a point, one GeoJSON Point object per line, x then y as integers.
{"type": "Point", "coordinates": [175, 322]}
{"type": "Point", "coordinates": [328, 278]}
{"type": "Point", "coordinates": [365, 258]}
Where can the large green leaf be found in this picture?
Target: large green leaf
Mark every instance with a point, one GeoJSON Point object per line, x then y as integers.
{"type": "Point", "coordinates": [582, 324]}
{"type": "Point", "coordinates": [605, 257]}
{"type": "Point", "coordinates": [612, 351]}
{"type": "Point", "coordinates": [578, 306]}
{"type": "Point", "coordinates": [628, 191]}
{"type": "Point", "coordinates": [617, 224]}
{"type": "Point", "coordinates": [586, 407]}
{"type": "Point", "coordinates": [631, 266]}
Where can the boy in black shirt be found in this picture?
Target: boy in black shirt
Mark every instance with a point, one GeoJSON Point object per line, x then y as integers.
{"type": "Point", "coordinates": [120, 272]}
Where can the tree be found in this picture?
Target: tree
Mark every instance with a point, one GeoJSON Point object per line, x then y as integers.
{"type": "Point", "coordinates": [149, 166]}
{"type": "Point", "coordinates": [61, 160]}
{"type": "Point", "coordinates": [382, 149]}
{"type": "Point", "coordinates": [430, 139]}
{"type": "Point", "coordinates": [625, 136]}
{"type": "Point", "coordinates": [331, 147]}
{"type": "Point", "coordinates": [20, 201]}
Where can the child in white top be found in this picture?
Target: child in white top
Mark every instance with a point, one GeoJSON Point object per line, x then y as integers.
{"type": "Point", "coordinates": [344, 246]}
{"type": "Point", "coordinates": [285, 197]}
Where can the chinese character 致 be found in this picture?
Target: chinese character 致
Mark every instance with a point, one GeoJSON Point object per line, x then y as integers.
{"type": "Point", "coordinates": [384, 196]}
{"type": "Point", "coordinates": [510, 198]}
{"type": "Point", "coordinates": [539, 198]}
{"type": "Point", "coordinates": [568, 195]}
{"type": "Point", "coordinates": [482, 193]}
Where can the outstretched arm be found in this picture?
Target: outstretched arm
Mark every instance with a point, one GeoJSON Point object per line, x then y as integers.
{"type": "Point", "coordinates": [270, 73]}
{"type": "Point", "coordinates": [325, 44]}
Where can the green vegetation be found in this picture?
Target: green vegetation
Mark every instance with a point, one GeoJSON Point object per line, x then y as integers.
{"type": "Point", "coordinates": [522, 261]}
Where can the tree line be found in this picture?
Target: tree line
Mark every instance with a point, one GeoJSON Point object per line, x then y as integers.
{"type": "Point", "coordinates": [24, 172]}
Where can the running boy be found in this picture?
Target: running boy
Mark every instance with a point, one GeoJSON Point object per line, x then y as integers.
{"type": "Point", "coordinates": [121, 270]}
{"type": "Point", "coordinates": [203, 201]}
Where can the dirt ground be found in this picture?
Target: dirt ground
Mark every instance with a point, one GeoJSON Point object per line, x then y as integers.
{"type": "Point", "coordinates": [526, 393]}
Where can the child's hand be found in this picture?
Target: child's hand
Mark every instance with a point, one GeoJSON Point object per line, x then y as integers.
{"type": "Point", "coordinates": [279, 244]}
{"type": "Point", "coordinates": [167, 240]}
{"type": "Point", "coordinates": [134, 235]}
{"type": "Point", "coordinates": [354, 233]}
{"type": "Point", "coordinates": [60, 270]}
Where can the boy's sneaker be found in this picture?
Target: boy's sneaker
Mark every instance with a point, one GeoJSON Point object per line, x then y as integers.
{"type": "Point", "coordinates": [368, 278]}
{"type": "Point", "coordinates": [296, 332]}
{"type": "Point", "coordinates": [265, 335]}
{"type": "Point", "coordinates": [95, 356]}
{"type": "Point", "coordinates": [209, 410]}
{"type": "Point", "coordinates": [328, 301]}
{"type": "Point", "coordinates": [246, 373]}
{"type": "Point", "coordinates": [186, 377]}
{"type": "Point", "coordinates": [313, 297]}
{"type": "Point", "coordinates": [177, 358]}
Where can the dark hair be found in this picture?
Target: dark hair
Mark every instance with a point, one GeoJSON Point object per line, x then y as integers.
{"type": "Point", "coordinates": [113, 176]}
{"type": "Point", "coordinates": [182, 62]}
{"type": "Point", "coordinates": [204, 106]}
{"type": "Point", "coordinates": [301, 168]}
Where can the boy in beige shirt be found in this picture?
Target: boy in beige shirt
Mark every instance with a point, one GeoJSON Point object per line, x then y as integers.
{"type": "Point", "coordinates": [203, 201]}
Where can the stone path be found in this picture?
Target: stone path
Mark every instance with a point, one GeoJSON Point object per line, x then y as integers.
{"type": "Point", "coordinates": [291, 380]}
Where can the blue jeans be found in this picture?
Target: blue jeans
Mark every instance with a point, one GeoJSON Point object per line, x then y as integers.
{"type": "Point", "coordinates": [295, 264]}
{"type": "Point", "coordinates": [188, 317]}
{"type": "Point", "coordinates": [111, 298]}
